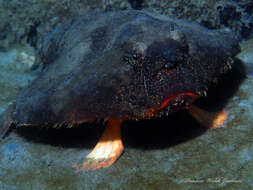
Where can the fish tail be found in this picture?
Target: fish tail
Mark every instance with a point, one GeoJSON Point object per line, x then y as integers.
{"type": "Point", "coordinates": [6, 121]}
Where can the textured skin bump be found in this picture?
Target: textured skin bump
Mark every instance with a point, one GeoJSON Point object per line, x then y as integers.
{"type": "Point", "coordinates": [119, 64]}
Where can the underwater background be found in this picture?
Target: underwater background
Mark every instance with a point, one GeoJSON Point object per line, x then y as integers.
{"type": "Point", "coordinates": [168, 153]}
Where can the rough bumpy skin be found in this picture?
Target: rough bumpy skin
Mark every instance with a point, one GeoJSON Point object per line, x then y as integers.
{"type": "Point", "coordinates": [120, 64]}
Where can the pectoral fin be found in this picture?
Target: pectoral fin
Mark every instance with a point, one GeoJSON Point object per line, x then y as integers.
{"type": "Point", "coordinates": [208, 119]}
{"type": "Point", "coordinates": [107, 150]}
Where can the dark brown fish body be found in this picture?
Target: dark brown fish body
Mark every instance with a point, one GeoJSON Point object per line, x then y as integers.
{"type": "Point", "coordinates": [121, 64]}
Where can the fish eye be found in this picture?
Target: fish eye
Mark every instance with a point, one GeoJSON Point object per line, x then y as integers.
{"type": "Point", "coordinates": [168, 65]}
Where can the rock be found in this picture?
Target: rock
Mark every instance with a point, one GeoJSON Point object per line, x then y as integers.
{"type": "Point", "coordinates": [15, 65]}
{"type": "Point", "coordinates": [26, 21]}
{"type": "Point", "coordinates": [212, 14]}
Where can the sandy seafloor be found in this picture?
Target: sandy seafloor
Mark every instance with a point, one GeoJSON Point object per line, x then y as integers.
{"type": "Point", "coordinates": [168, 153]}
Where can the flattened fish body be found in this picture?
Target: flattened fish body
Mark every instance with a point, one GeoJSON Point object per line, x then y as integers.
{"type": "Point", "coordinates": [119, 64]}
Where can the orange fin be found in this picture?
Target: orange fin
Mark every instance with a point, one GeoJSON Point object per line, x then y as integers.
{"type": "Point", "coordinates": [107, 150]}
{"type": "Point", "coordinates": [208, 119]}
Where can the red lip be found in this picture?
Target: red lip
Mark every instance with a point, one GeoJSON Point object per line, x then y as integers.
{"type": "Point", "coordinates": [151, 111]}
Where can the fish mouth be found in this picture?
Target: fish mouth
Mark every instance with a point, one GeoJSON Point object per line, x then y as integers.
{"type": "Point", "coordinates": [172, 103]}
